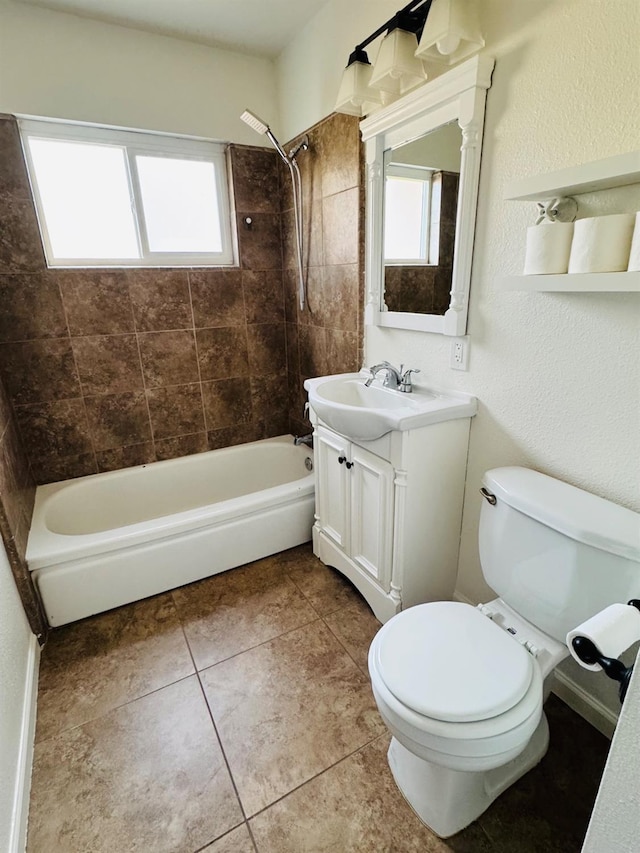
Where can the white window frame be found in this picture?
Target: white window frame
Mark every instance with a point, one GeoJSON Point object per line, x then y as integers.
{"type": "Point", "coordinates": [136, 143]}
{"type": "Point", "coordinates": [424, 175]}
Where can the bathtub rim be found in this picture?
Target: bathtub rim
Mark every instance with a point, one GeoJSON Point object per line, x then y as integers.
{"type": "Point", "coordinates": [46, 548]}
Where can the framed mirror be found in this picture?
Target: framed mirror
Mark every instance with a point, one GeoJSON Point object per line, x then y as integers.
{"type": "Point", "coordinates": [423, 165]}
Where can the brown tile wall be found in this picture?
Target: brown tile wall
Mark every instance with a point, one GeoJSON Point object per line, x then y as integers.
{"type": "Point", "coordinates": [111, 368]}
{"type": "Point", "coordinates": [104, 369]}
{"type": "Point", "coordinates": [17, 487]}
{"type": "Point", "coordinates": [327, 335]}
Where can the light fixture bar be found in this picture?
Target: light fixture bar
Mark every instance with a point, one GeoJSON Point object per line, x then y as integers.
{"type": "Point", "coordinates": [412, 22]}
{"type": "Point", "coordinates": [356, 95]}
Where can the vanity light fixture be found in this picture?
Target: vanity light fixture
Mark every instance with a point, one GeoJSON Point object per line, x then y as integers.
{"type": "Point", "coordinates": [355, 93]}
{"type": "Point", "coordinates": [396, 69]}
{"type": "Point", "coordinates": [451, 32]}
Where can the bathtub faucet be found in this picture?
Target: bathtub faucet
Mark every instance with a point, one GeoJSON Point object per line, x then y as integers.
{"type": "Point", "coordinates": [303, 439]}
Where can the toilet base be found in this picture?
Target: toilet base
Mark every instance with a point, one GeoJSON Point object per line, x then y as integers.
{"type": "Point", "coordinates": [449, 800]}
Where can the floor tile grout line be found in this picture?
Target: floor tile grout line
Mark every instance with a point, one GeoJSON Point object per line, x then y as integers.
{"type": "Point", "coordinates": [263, 643]}
{"type": "Point", "coordinates": [114, 708]}
{"type": "Point", "coordinates": [133, 698]}
{"type": "Point", "coordinates": [342, 644]}
{"type": "Point", "coordinates": [222, 750]}
{"type": "Point", "coordinates": [284, 634]}
{"type": "Point", "coordinates": [318, 618]}
{"type": "Point", "coordinates": [199, 673]}
{"type": "Point", "coordinates": [226, 835]}
{"type": "Point", "coordinates": [317, 775]}
{"type": "Point", "coordinates": [289, 573]}
{"type": "Point", "coordinates": [309, 598]}
{"type": "Point", "coordinates": [224, 754]}
{"type": "Point", "coordinates": [218, 738]}
{"type": "Point", "coordinates": [252, 836]}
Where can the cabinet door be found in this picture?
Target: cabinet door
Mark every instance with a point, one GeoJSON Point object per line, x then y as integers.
{"type": "Point", "coordinates": [371, 483]}
{"type": "Point", "coordinates": [333, 485]}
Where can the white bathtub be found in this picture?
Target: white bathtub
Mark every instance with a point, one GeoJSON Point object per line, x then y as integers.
{"type": "Point", "coordinates": [108, 539]}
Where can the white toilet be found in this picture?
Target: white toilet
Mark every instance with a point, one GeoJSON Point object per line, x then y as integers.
{"type": "Point", "coordinates": [461, 688]}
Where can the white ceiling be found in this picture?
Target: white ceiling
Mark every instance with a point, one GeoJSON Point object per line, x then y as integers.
{"type": "Point", "coordinates": [259, 27]}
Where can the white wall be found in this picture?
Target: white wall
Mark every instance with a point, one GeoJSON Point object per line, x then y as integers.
{"type": "Point", "coordinates": [64, 66]}
{"type": "Point", "coordinates": [555, 388]}
{"type": "Point", "coordinates": [310, 68]}
{"type": "Point", "coordinates": [18, 657]}
{"type": "Point", "coordinates": [615, 821]}
{"type": "Point", "coordinates": [557, 375]}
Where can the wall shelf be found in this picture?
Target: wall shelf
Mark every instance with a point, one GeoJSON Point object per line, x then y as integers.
{"type": "Point", "coordinates": [612, 172]}
{"type": "Point", "coordinates": [612, 282]}
{"type": "Point", "coordinates": [618, 171]}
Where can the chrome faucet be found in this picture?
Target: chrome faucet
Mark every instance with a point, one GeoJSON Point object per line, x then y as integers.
{"type": "Point", "coordinates": [395, 379]}
{"type": "Point", "coordinates": [405, 380]}
{"type": "Point", "coordinates": [391, 380]}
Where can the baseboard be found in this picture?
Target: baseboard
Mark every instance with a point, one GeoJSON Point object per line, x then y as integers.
{"type": "Point", "coordinates": [589, 708]}
{"type": "Point", "coordinates": [18, 837]}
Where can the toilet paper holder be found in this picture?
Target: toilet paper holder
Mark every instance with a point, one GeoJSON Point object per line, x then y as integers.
{"type": "Point", "coordinates": [589, 653]}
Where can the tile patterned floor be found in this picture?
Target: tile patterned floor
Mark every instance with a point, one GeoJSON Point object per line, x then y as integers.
{"type": "Point", "coordinates": [235, 715]}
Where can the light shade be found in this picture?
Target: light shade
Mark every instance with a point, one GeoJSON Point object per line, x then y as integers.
{"type": "Point", "coordinates": [451, 32]}
{"type": "Point", "coordinates": [354, 95]}
{"type": "Point", "coordinates": [396, 68]}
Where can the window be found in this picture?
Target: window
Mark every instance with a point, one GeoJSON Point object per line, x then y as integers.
{"type": "Point", "coordinates": [408, 211]}
{"type": "Point", "coordinates": [109, 197]}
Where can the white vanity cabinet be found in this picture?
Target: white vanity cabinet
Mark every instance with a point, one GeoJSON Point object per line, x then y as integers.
{"type": "Point", "coordinates": [388, 511]}
{"type": "Point", "coordinates": [355, 503]}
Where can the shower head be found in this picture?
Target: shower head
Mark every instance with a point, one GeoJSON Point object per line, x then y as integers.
{"type": "Point", "coordinates": [260, 127]}
{"type": "Point", "coordinates": [254, 122]}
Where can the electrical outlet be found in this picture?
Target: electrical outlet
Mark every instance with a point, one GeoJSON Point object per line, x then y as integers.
{"type": "Point", "coordinates": [459, 354]}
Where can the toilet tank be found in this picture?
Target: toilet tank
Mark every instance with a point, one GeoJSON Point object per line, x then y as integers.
{"type": "Point", "coordinates": [554, 553]}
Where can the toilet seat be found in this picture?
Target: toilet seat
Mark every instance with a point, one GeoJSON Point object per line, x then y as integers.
{"type": "Point", "coordinates": [447, 661]}
{"type": "Point", "coordinates": [478, 744]}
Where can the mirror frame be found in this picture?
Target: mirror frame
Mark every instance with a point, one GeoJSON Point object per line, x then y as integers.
{"type": "Point", "coordinates": [457, 95]}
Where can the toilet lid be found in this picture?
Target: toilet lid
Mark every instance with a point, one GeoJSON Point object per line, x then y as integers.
{"type": "Point", "coordinates": [448, 661]}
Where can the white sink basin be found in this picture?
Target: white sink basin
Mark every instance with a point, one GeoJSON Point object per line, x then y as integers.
{"type": "Point", "coordinates": [364, 413]}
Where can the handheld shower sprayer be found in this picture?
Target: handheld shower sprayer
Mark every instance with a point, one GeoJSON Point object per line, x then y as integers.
{"type": "Point", "coordinates": [260, 126]}
{"type": "Point", "coordinates": [256, 123]}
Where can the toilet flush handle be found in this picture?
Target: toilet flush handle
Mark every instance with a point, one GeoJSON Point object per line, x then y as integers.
{"type": "Point", "coordinates": [488, 496]}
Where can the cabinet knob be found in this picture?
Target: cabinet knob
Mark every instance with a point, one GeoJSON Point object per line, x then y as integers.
{"type": "Point", "coordinates": [349, 464]}
{"type": "Point", "coordinates": [342, 459]}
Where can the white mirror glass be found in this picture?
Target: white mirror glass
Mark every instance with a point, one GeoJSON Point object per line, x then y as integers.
{"type": "Point", "coordinates": [421, 181]}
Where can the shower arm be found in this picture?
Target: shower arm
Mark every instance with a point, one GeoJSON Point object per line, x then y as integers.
{"type": "Point", "coordinates": [276, 145]}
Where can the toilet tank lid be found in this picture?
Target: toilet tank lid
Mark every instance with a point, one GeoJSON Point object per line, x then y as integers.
{"type": "Point", "coordinates": [577, 514]}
